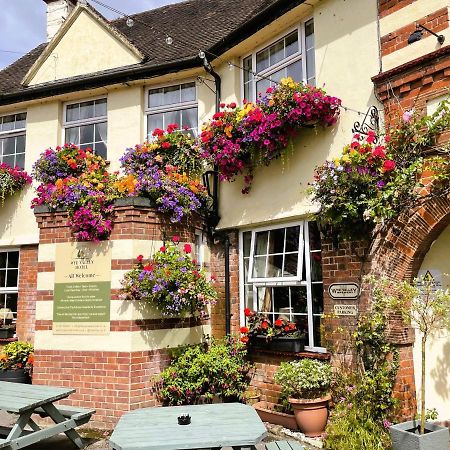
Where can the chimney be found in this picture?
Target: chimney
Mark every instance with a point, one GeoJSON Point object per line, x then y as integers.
{"type": "Point", "coordinates": [57, 13]}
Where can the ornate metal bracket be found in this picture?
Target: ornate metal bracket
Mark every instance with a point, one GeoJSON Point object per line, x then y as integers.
{"type": "Point", "coordinates": [371, 122]}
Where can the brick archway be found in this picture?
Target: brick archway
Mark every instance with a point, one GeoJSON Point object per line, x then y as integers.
{"type": "Point", "coordinates": [400, 252]}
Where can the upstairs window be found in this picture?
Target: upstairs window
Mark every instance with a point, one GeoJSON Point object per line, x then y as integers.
{"type": "Point", "coordinates": [12, 139]}
{"type": "Point", "coordinates": [281, 276]}
{"type": "Point", "coordinates": [85, 125]}
{"type": "Point", "coordinates": [172, 105]}
{"type": "Point", "coordinates": [9, 276]}
{"type": "Point", "coordinates": [289, 56]}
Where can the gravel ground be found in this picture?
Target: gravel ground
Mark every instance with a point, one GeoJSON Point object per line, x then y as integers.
{"type": "Point", "coordinates": [96, 440]}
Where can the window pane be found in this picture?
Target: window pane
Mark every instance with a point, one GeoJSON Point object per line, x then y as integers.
{"type": "Point", "coordinates": [188, 92]}
{"type": "Point", "coordinates": [247, 238]}
{"type": "Point", "coordinates": [299, 299]}
{"type": "Point", "coordinates": [295, 71]}
{"type": "Point", "coordinates": [8, 123]}
{"type": "Point", "coordinates": [314, 236]}
{"type": "Point", "coordinates": [247, 64]}
{"type": "Point", "coordinates": [10, 160]}
{"type": "Point", "coordinates": [87, 134]}
{"type": "Point", "coordinates": [86, 110]}
{"type": "Point", "coordinates": [261, 87]}
{"type": "Point", "coordinates": [3, 257]}
{"type": "Point", "coordinates": [262, 60]}
{"type": "Point", "coordinates": [100, 108]}
{"type": "Point", "coordinates": [20, 144]}
{"type": "Point", "coordinates": [155, 97]}
{"type": "Point", "coordinates": [316, 266]}
{"type": "Point", "coordinates": [11, 302]}
{"type": "Point", "coordinates": [291, 42]}
{"type": "Point", "coordinates": [281, 299]}
{"type": "Point", "coordinates": [309, 28]}
{"type": "Point", "coordinates": [310, 67]}
{"type": "Point", "coordinates": [154, 121]}
{"type": "Point", "coordinates": [316, 331]}
{"type": "Point", "coordinates": [276, 240]}
{"type": "Point", "coordinates": [72, 112]}
{"type": "Point", "coordinates": [264, 299]}
{"type": "Point", "coordinates": [277, 52]}
{"type": "Point", "coordinates": [100, 132]}
{"type": "Point", "coordinates": [290, 265]}
{"type": "Point", "coordinates": [172, 117]}
{"type": "Point", "coordinates": [20, 160]}
{"type": "Point", "coordinates": [278, 75]}
{"type": "Point", "coordinates": [21, 121]}
{"type": "Point", "coordinates": [13, 260]}
{"type": "Point", "coordinates": [259, 267]}
{"type": "Point", "coordinates": [292, 238]}
{"type": "Point", "coordinates": [317, 298]}
{"type": "Point", "coordinates": [171, 95]}
{"type": "Point", "coordinates": [2, 278]}
{"type": "Point", "coordinates": [274, 266]}
{"type": "Point", "coordinates": [261, 243]}
{"type": "Point", "coordinates": [11, 277]}
{"type": "Point", "coordinates": [100, 150]}
{"type": "Point", "coordinates": [248, 297]}
{"type": "Point", "coordinates": [73, 135]}
{"type": "Point", "coordinates": [9, 146]}
{"type": "Point", "coordinates": [189, 118]}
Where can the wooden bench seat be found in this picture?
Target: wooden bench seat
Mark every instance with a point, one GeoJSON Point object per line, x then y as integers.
{"type": "Point", "coordinates": [80, 415]}
{"type": "Point", "coordinates": [284, 445]}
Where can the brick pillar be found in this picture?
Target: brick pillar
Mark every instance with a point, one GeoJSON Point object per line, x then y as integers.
{"type": "Point", "coordinates": [111, 373]}
{"type": "Point", "coordinates": [26, 305]}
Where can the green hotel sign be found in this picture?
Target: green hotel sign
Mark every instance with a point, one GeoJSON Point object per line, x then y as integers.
{"type": "Point", "coordinates": [82, 292]}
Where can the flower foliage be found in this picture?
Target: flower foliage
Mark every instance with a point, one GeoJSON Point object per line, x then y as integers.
{"type": "Point", "coordinates": [201, 372]}
{"type": "Point", "coordinates": [166, 171]}
{"type": "Point", "coordinates": [17, 355]}
{"type": "Point", "coordinates": [370, 183]}
{"type": "Point", "coordinates": [12, 180]}
{"type": "Point", "coordinates": [237, 139]}
{"type": "Point", "coordinates": [258, 324]}
{"type": "Point", "coordinates": [77, 180]}
{"type": "Point", "coordinates": [171, 281]}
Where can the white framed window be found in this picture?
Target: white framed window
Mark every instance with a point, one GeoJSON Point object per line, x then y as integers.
{"type": "Point", "coordinates": [86, 125]}
{"type": "Point", "coordinates": [175, 104]}
{"type": "Point", "coordinates": [12, 139]}
{"type": "Point", "coordinates": [291, 55]}
{"type": "Point", "coordinates": [287, 281]}
{"type": "Point", "coordinates": [9, 284]}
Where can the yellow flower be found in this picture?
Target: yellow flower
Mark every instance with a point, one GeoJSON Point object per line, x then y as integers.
{"type": "Point", "coordinates": [288, 81]}
{"type": "Point", "coordinates": [271, 102]}
{"type": "Point", "coordinates": [228, 129]}
{"type": "Point", "coordinates": [337, 162]}
{"type": "Point", "coordinates": [243, 112]}
{"type": "Point", "coordinates": [346, 158]}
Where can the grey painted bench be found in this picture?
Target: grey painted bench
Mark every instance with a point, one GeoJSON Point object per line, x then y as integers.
{"type": "Point", "coordinates": [284, 445]}
{"type": "Point", "coordinates": [26, 400]}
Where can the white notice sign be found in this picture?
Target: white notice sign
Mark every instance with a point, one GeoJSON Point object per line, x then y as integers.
{"type": "Point", "coordinates": [344, 290]}
{"type": "Point", "coordinates": [345, 310]}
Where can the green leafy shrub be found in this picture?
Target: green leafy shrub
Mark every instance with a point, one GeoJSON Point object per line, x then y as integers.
{"type": "Point", "coordinates": [306, 378]}
{"type": "Point", "coordinates": [203, 371]}
{"type": "Point", "coordinates": [17, 355]}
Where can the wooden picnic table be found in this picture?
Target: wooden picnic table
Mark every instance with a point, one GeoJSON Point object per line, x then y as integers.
{"type": "Point", "coordinates": [27, 399]}
{"type": "Point", "coordinates": [212, 427]}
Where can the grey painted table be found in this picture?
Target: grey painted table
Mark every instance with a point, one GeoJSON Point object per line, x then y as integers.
{"type": "Point", "coordinates": [26, 399]}
{"type": "Point", "coordinates": [212, 426]}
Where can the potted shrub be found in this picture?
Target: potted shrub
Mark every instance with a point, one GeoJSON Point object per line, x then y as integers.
{"type": "Point", "coordinates": [306, 383]}
{"type": "Point", "coordinates": [282, 336]}
{"type": "Point", "coordinates": [16, 362]}
{"type": "Point", "coordinates": [427, 309]}
{"type": "Point", "coordinates": [276, 414]}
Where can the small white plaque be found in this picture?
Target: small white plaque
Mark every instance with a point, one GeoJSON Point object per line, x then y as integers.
{"type": "Point", "coordinates": [345, 310]}
{"type": "Point", "coordinates": [344, 291]}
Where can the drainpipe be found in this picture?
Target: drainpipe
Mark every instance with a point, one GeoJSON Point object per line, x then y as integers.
{"type": "Point", "coordinates": [220, 235]}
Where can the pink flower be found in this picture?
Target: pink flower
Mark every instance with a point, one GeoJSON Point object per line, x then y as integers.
{"type": "Point", "coordinates": [388, 165]}
{"type": "Point", "coordinates": [407, 115]}
{"type": "Point", "coordinates": [187, 248]}
{"type": "Point", "coordinates": [140, 258]}
{"type": "Point", "coordinates": [163, 249]}
{"type": "Point", "coordinates": [378, 152]}
{"type": "Point", "coordinates": [176, 239]}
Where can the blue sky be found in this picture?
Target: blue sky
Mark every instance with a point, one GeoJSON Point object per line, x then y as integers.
{"type": "Point", "coordinates": [23, 22]}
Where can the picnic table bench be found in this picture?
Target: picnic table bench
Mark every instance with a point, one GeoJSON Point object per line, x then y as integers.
{"type": "Point", "coordinates": [25, 400]}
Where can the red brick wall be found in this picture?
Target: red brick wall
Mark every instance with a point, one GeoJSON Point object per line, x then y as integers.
{"type": "Point", "coordinates": [386, 7]}
{"type": "Point", "coordinates": [26, 305]}
{"type": "Point", "coordinates": [435, 21]}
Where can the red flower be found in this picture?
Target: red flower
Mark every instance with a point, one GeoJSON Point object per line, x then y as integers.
{"type": "Point", "coordinates": [165, 144]}
{"type": "Point", "coordinates": [232, 105]}
{"type": "Point", "coordinates": [292, 326]}
{"type": "Point", "coordinates": [218, 115]}
{"type": "Point", "coordinates": [163, 249]}
{"type": "Point", "coordinates": [243, 330]}
{"type": "Point", "coordinates": [244, 339]}
{"type": "Point", "coordinates": [264, 324]}
{"type": "Point", "coordinates": [355, 145]}
{"type": "Point", "coordinates": [388, 165]}
{"type": "Point", "coordinates": [278, 323]}
{"type": "Point", "coordinates": [269, 90]}
{"type": "Point", "coordinates": [247, 312]}
{"type": "Point", "coordinates": [286, 328]}
{"type": "Point", "coordinates": [187, 248]}
{"type": "Point", "coordinates": [148, 267]}
{"type": "Point", "coordinates": [176, 239]}
{"type": "Point", "coordinates": [222, 105]}
{"type": "Point", "coordinates": [172, 127]}
{"type": "Point", "coordinates": [370, 137]}
{"type": "Point", "coordinates": [378, 152]}
{"type": "Point", "coordinates": [157, 132]}
{"type": "Point", "coordinates": [140, 258]}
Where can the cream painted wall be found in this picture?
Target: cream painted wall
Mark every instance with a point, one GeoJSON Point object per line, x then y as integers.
{"type": "Point", "coordinates": [346, 58]}
{"type": "Point", "coordinates": [87, 47]}
{"type": "Point", "coordinates": [405, 16]}
{"type": "Point", "coordinates": [438, 348]}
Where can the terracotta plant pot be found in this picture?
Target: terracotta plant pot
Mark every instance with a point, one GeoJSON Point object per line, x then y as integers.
{"type": "Point", "coordinates": [311, 414]}
{"type": "Point", "coordinates": [267, 413]}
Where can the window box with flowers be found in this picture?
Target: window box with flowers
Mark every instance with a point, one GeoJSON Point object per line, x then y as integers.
{"type": "Point", "coordinates": [16, 362]}
{"type": "Point", "coordinates": [12, 180]}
